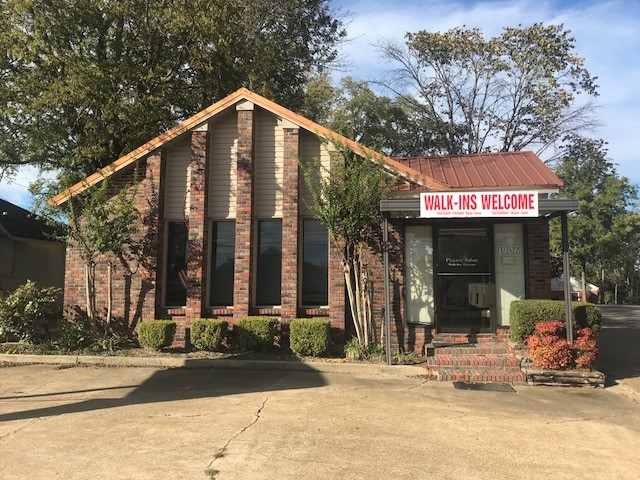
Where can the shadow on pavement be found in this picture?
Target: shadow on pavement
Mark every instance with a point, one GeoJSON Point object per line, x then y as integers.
{"type": "Point", "coordinates": [620, 343]}
{"type": "Point", "coordinates": [185, 383]}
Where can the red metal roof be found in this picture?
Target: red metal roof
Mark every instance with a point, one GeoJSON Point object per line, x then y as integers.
{"type": "Point", "coordinates": [486, 170]}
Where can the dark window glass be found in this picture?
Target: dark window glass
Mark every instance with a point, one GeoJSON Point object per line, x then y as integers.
{"type": "Point", "coordinates": [176, 277]}
{"type": "Point", "coordinates": [315, 263]}
{"type": "Point", "coordinates": [463, 251]}
{"type": "Point", "coordinates": [269, 265]}
{"type": "Point", "coordinates": [223, 239]}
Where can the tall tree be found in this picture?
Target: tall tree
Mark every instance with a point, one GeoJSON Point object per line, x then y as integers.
{"type": "Point", "coordinates": [354, 110]}
{"type": "Point", "coordinates": [600, 230]}
{"type": "Point", "coordinates": [512, 92]}
{"type": "Point", "coordinates": [83, 82]}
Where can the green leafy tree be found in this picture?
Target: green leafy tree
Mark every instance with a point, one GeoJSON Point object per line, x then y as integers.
{"type": "Point", "coordinates": [354, 110]}
{"type": "Point", "coordinates": [83, 82]}
{"type": "Point", "coordinates": [600, 231]}
{"type": "Point", "coordinates": [346, 200]}
{"type": "Point", "coordinates": [512, 92]}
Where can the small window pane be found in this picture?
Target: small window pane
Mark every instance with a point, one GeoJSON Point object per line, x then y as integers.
{"type": "Point", "coordinates": [223, 237]}
{"type": "Point", "coordinates": [176, 277]}
{"type": "Point", "coordinates": [315, 266]}
{"type": "Point", "coordinates": [269, 265]}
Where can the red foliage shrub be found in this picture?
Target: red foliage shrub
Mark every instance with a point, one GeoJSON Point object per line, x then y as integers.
{"type": "Point", "coordinates": [586, 348]}
{"type": "Point", "coordinates": [552, 328]}
{"type": "Point", "coordinates": [549, 350]}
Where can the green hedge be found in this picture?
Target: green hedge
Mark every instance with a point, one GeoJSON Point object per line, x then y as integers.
{"type": "Point", "coordinates": [156, 333]}
{"type": "Point", "coordinates": [524, 314]}
{"type": "Point", "coordinates": [208, 333]}
{"type": "Point", "coordinates": [257, 333]}
{"type": "Point", "coordinates": [310, 336]}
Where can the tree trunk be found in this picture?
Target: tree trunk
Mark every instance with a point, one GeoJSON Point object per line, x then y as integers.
{"type": "Point", "coordinates": [90, 271]}
{"type": "Point", "coordinates": [109, 297]}
{"type": "Point", "coordinates": [601, 291]}
{"type": "Point", "coordinates": [615, 294]}
{"type": "Point", "coordinates": [584, 286]}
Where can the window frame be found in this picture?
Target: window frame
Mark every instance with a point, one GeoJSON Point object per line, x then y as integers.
{"type": "Point", "coordinates": [212, 242]}
{"type": "Point", "coordinates": [255, 258]}
{"type": "Point", "coordinates": [165, 261]}
{"type": "Point", "coordinates": [301, 230]}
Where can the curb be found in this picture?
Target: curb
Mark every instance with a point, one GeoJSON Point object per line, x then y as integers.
{"type": "Point", "coordinates": [395, 371]}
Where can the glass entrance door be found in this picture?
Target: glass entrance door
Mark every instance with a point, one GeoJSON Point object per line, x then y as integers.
{"type": "Point", "coordinates": [464, 280]}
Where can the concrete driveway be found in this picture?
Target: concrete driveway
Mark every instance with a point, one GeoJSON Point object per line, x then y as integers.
{"type": "Point", "coordinates": [620, 346]}
{"type": "Point", "coordinates": [142, 423]}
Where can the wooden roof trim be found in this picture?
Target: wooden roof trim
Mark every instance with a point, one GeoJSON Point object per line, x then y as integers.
{"type": "Point", "coordinates": [226, 102]}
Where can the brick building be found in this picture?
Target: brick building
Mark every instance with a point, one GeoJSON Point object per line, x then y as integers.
{"type": "Point", "coordinates": [226, 231]}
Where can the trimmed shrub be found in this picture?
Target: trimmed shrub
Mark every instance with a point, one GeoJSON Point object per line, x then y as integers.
{"type": "Point", "coordinates": [310, 336]}
{"type": "Point", "coordinates": [156, 333]}
{"type": "Point", "coordinates": [547, 348]}
{"type": "Point", "coordinates": [525, 314]}
{"type": "Point", "coordinates": [208, 333]}
{"type": "Point", "coordinates": [257, 333]}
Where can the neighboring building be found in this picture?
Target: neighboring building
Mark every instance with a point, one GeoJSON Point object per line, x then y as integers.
{"type": "Point", "coordinates": [557, 290]}
{"type": "Point", "coordinates": [227, 231]}
{"type": "Point", "coordinates": [27, 250]}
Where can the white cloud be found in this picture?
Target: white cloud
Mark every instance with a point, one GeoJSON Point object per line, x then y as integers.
{"type": "Point", "coordinates": [15, 188]}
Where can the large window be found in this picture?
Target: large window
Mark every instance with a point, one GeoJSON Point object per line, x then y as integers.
{"type": "Point", "coordinates": [223, 243]}
{"type": "Point", "coordinates": [315, 264]}
{"type": "Point", "coordinates": [176, 271]}
{"type": "Point", "coordinates": [269, 263]}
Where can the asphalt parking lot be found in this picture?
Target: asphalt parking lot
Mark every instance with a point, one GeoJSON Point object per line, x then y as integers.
{"type": "Point", "coordinates": [144, 423]}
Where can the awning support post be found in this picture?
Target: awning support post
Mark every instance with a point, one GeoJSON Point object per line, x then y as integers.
{"type": "Point", "coordinates": [567, 276]}
{"type": "Point", "coordinates": [387, 301]}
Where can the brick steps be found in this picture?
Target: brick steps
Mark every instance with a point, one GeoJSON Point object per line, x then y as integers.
{"type": "Point", "coordinates": [481, 376]}
{"type": "Point", "coordinates": [484, 362]}
{"type": "Point", "coordinates": [475, 361]}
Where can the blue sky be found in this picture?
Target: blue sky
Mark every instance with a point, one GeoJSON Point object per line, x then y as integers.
{"type": "Point", "coordinates": [607, 35]}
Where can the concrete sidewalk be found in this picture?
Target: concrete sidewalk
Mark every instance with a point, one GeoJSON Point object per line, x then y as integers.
{"type": "Point", "coordinates": [90, 422]}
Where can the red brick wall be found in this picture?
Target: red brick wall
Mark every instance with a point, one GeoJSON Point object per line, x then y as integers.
{"type": "Point", "coordinates": [244, 221]}
{"type": "Point", "coordinates": [290, 223]}
{"type": "Point", "coordinates": [538, 260]}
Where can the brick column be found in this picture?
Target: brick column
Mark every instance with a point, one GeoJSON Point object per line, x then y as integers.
{"type": "Point", "coordinates": [149, 202]}
{"type": "Point", "coordinates": [244, 203]}
{"type": "Point", "coordinates": [290, 223]}
{"type": "Point", "coordinates": [538, 258]}
{"type": "Point", "coordinates": [198, 226]}
{"type": "Point", "coordinates": [337, 294]}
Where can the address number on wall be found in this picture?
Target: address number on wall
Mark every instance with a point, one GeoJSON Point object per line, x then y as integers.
{"type": "Point", "coordinates": [508, 250]}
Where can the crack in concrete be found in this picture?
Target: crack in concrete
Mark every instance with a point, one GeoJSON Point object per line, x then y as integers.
{"type": "Point", "coordinates": [33, 422]}
{"type": "Point", "coordinates": [588, 419]}
{"type": "Point", "coordinates": [221, 452]}
{"type": "Point", "coordinates": [418, 385]}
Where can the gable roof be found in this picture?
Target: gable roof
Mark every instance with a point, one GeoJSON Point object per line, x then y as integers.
{"type": "Point", "coordinates": [21, 223]}
{"type": "Point", "coordinates": [228, 101]}
{"type": "Point", "coordinates": [504, 170]}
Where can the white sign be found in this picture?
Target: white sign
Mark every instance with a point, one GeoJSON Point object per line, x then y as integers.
{"type": "Point", "coordinates": [479, 204]}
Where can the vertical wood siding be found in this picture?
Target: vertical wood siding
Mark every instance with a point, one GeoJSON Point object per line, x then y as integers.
{"type": "Point", "coordinates": [311, 149]}
{"type": "Point", "coordinates": [178, 179]}
{"type": "Point", "coordinates": [268, 173]}
{"type": "Point", "coordinates": [223, 149]}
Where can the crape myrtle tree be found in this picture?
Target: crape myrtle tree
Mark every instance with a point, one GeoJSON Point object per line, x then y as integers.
{"type": "Point", "coordinates": [346, 199]}
{"type": "Point", "coordinates": [603, 233]}
{"type": "Point", "coordinates": [515, 91]}
{"type": "Point", "coordinates": [83, 82]}
{"type": "Point", "coordinates": [101, 228]}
